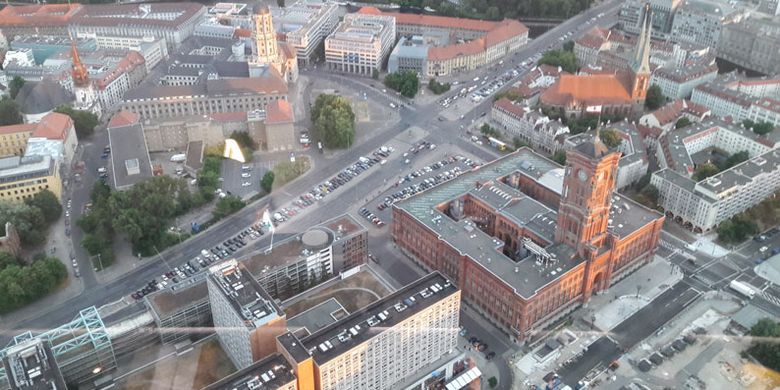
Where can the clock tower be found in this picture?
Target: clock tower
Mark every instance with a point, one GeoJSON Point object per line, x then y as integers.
{"type": "Point", "coordinates": [588, 184]}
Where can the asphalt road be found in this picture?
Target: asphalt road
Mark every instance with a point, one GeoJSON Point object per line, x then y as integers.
{"type": "Point", "coordinates": [631, 332]}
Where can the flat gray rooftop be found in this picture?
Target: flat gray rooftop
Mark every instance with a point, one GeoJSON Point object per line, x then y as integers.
{"type": "Point", "coordinates": [128, 143]}
{"type": "Point", "coordinates": [167, 301]}
{"type": "Point", "coordinates": [270, 373]}
{"type": "Point", "coordinates": [381, 315]}
{"type": "Point", "coordinates": [243, 292]}
{"type": "Point", "coordinates": [317, 317]}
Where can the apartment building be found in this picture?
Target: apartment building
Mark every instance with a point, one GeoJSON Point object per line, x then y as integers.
{"type": "Point", "coordinates": [752, 43]}
{"type": "Point", "coordinates": [701, 21]}
{"type": "Point", "coordinates": [15, 139]}
{"type": "Point", "coordinates": [23, 177]}
{"type": "Point", "coordinates": [632, 13]}
{"type": "Point", "coordinates": [382, 344]}
{"type": "Point", "coordinates": [703, 205]}
{"type": "Point", "coordinates": [654, 125]}
{"type": "Point", "coordinates": [305, 26]}
{"type": "Point", "coordinates": [228, 95]}
{"type": "Point", "coordinates": [246, 318]}
{"type": "Point", "coordinates": [530, 126]}
{"type": "Point", "coordinates": [739, 97]}
{"type": "Point", "coordinates": [679, 82]}
{"type": "Point", "coordinates": [173, 22]}
{"type": "Point", "coordinates": [47, 19]}
{"type": "Point", "coordinates": [271, 373]}
{"type": "Point", "coordinates": [514, 234]}
{"type": "Point", "coordinates": [360, 44]}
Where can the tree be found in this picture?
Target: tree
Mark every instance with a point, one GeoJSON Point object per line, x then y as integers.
{"type": "Point", "coordinates": [437, 87]}
{"type": "Point", "coordinates": [682, 122]}
{"type": "Point", "coordinates": [375, 74]}
{"type": "Point", "coordinates": [48, 203]}
{"type": "Point", "coordinates": [405, 82]}
{"type": "Point", "coordinates": [512, 94]}
{"type": "Point", "coordinates": [20, 285]}
{"type": "Point", "coordinates": [84, 121]}
{"type": "Point", "coordinates": [760, 128]}
{"type": "Point", "coordinates": [565, 59]}
{"type": "Point", "coordinates": [736, 229]}
{"type": "Point", "coordinates": [9, 112]}
{"type": "Point", "coordinates": [489, 131]}
{"type": "Point", "coordinates": [569, 46]}
{"type": "Point", "coordinates": [655, 97]}
{"type": "Point", "coordinates": [734, 159]}
{"type": "Point", "coordinates": [559, 157]}
{"type": "Point", "coordinates": [27, 220]}
{"type": "Point", "coordinates": [8, 259]}
{"type": "Point", "coordinates": [228, 205]}
{"type": "Point", "coordinates": [15, 86]}
{"type": "Point", "coordinates": [764, 346]}
{"type": "Point", "coordinates": [492, 382]}
{"type": "Point", "coordinates": [267, 182]}
{"type": "Point", "coordinates": [493, 13]}
{"type": "Point", "coordinates": [610, 138]}
{"type": "Point", "coordinates": [334, 121]}
{"type": "Point", "coordinates": [244, 139]}
{"type": "Point", "coordinates": [280, 3]}
{"type": "Point", "coordinates": [704, 171]}
{"type": "Point", "coordinates": [286, 171]}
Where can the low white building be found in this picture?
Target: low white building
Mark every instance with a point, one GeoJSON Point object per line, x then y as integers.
{"type": "Point", "coordinates": [679, 82]}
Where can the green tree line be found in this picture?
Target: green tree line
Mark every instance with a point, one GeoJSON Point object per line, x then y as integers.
{"type": "Point", "coordinates": [21, 284]}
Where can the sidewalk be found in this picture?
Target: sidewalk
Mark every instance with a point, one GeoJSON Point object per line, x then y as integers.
{"type": "Point", "coordinates": [633, 293]}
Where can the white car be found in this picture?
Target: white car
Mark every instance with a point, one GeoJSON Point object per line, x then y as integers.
{"type": "Point", "coordinates": [246, 184]}
{"type": "Point", "coordinates": [246, 174]}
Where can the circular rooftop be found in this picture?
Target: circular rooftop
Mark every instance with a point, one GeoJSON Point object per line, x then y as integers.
{"type": "Point", "coordinates": [316, 239]}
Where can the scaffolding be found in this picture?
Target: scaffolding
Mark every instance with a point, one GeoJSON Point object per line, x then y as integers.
{"type": "Point", "coordinates": [82, 347]}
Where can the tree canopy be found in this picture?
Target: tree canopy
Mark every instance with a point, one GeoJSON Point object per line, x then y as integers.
{"type": "Point", "coordinates": [334, 121]}
{"type": "Point", "coordinates": [9, 112]}
{"type": "Point", "coordinates": [405, 82]}
{"type": "Point", "coordinates": [734, 159]}
{"type": "Point", "coordinates": [22, 284]}
{"type": "Point", "coordinates": [765, 347]}
{"type": "Point", "coordinates": [267, 183]}
{"type": "Point", "coordinates": [682, 122]}
{"type": "Point", "coordinates": [736, 229]}
{"type": "Point", "coordinates": [610, 137]}
{"type": "Point", "coordinates": [228, 205]}
{"type": "Point", "coordinates": [14, 86]}
{"type": "Point", "coordinates": [704, 171]}
{"type": "Point", "coordinates": [84, 121]}
{"type": "Point", "coordinates": [565, 59]}
{"type": "Point", "coordinates": [48, 203]}
{"type": "Point", "coordinates": [559, 157]}
{"type": "Point", "coordinates": [655, 97]}
{"type": "Point", "coordinates": [760, 128]}
{"type": "Point", "coordinates": [437, 87]}
{"type": "Point", "coordinates": [27, 220]}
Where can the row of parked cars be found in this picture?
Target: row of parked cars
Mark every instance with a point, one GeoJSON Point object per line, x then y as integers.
{"type": "Point", "coordinates": [488, 88]}
{"type": "Point", "coordinates": [371, 217]}
{"type": "Point", "coordinates": [206, 258]}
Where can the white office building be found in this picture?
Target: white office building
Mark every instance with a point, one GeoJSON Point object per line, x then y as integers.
{"type": "Point", "coordinates": [305, 26]}
{"type": "Point", "coordinates": [360, 44]}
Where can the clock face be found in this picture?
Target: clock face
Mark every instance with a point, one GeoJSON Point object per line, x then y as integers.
{"type": "Point", "coordinates": [582, 175]}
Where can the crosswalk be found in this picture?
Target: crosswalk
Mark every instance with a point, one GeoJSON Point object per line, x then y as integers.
{"type": "Point", "coordinates": [769, 297]}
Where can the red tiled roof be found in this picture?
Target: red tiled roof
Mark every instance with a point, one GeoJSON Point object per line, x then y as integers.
{"type": "Point", "coordinates": [507, 105]}
{"type": "Point", "coordinates": [123, 118]}
{"type": "Point", "coordinates": [229, 116]}
{"type": "Point", "coordinates": [242, 33]}
{"type": "Point", "coordinates": [132, 60]}
{"type": "Point", "coordinates": [649, 131]}
{"type": "Point", "coordinates": [22, 127]}
{"type": "Point", "coordinates": [503, 31]}
{"type": "Point", "coordinates": [457, 50]}
{"type": "Point", "coordinates": [431, 20]}
{"type": "Point", "coordinates": [53, 126]}
{"type": "Point", "coordinates": [588, 90]}
{"type": "Point", "coordinates": [278, 111]}
{"type": "Point", "coordinates": [38, 15]}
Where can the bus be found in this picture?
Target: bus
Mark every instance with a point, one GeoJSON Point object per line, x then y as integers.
{"type": "Point", "coordinates": [497, 144]}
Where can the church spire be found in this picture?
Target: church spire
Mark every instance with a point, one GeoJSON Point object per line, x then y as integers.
{"type": "Point", "coordinates": [641, 63]}
{"type": "Point", "coordinates": [78, 71]}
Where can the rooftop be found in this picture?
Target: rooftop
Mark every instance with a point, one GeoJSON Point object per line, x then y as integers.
{"type": "Point", "coordinates": [288, 251]}
{"type": "Point", "coordinates": [270, 84]}
{"type": "Point", "coordinates": [241, 289]}
{"type": "Point", "coordinates": [316, 318]}
{"type": "Point", "coordinates": [16, 168]}
{"type": "Point", "coordinates": [270, 373]}
{"type": "Point", "coordinates": [529, 274]}
{"type": "Point", "coordinates": [593, 89]}
{"type": "Point", "coordinates": [128, 143]}
{"type": "Point", "coordinates": [147, 15]}
{"type": "Point", "coordinates": [168, 301]}
{"type": "Point", "coordinates": [374, 319]}
{"type": "Point", "coordinates": [279, 111]}
{"type": "Point", "coordinates": [31, 365]}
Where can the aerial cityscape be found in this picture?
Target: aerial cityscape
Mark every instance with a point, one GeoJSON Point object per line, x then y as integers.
{"type": "Point", "coordinates": [425, 195]}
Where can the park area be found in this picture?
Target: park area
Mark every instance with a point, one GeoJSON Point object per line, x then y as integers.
{"type": "Point", "coordinates": [353, 293]}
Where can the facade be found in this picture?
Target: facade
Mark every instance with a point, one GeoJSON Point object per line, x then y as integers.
{"type": "Point", "coordinates": [44, 47]}
{"type": "Point", "coordinates": [654, 125]}
{"type": "Point", "coordinates": [269, 52]}
{"type": "Point", "coordinates": [410, 54]}
{"type": "Point", "coordinates": [454, 44]}
{"type": "Point", "coordinates": [536, 81]}
{"type": "Point", "coordinates": [678, 83]}
{"type": "Point", "coordinates": [700, 21]}
{"type": "Point", "coordinates": [177, 312]}
{"type": "Point", "coordinates": [246, 319]}
{"type": "Point", "coordinates": [621, 93]}
{"type": "Point", "coordinates": [175, 133]}
{"type": "Point", "coordinates": [526, 240]}
{"type": "Point", "coordinates": [173, 22]}
{"type": "Point", "coordinates": [271, 373]}
{"type": "Point", "coordinates": [633, 12]}
{"type": "Point", "coordinates": [305, 27]}
{"type": "Point", "coordinates": [703, 205]}
{"type": "Point", "coordinates": [49, 19]}
{"type": "Point", "coordinates": [360, 44]}
{"type": "Point", "coordinates": [240, 94]}
{"type": "Point", "coordinates": [23, 177]}
{"type": "Point", "coordinates": [112, 73]}
{"type": "Point", "coordinates": [152, 49]}
{"type": "Point", "coordinates": [276, 132]}
{"type": "Point", "coordinates": [753, 43]}
{"type": "Point", "coordinates": [769, 7]}
{"type": "Point", "coordinates": [739, 97]}
{"type": "Point", "coordinates": [379, 346]}
{"type": "Point", "coordinates": [531, 126]}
